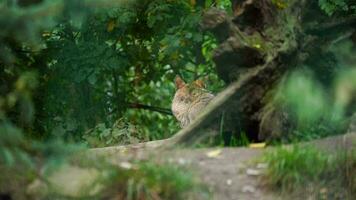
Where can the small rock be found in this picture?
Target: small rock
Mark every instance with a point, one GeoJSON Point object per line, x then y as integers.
{"type": "Point", "coordinates": [214, 153]}
{"type": "Point", "coordinates": [323, 191]}
{"type": "Point", "coordinates": [67, 180]}
{"type": "Point", "coordinates": [182, 161]}
{"type": "Point", "coordinates": [262, 166]}
{"type": "Point", "coordinates": [248, 189]}
{"type": "Point", "coordinates": [241, 166]}
{"type": "Point", "coordinates": [229, 182]}
{"type": "Point", "coordinates": [126, 165]}
{"type": "Point", "coordinates": [253, 172]}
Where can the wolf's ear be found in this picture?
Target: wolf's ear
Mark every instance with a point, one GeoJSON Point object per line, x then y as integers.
{"type": "Point", "coordinates": [199, 83]}
{"type": "Point", "coordinates": [179, 82]}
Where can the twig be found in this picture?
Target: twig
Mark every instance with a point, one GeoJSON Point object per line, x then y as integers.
{"type": "Point", "coordinates": [152, 108]}
{"type": "Point", "coordinates": [331, 25]}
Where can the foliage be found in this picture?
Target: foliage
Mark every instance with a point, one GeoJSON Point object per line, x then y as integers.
{"type": "Point", "coordinates": [117, 58]}
{"type": "Point", "coordinates": [291, 168]}
{"type": "Point", "coordinates": [90, 64]}
{"type": "Point", "coordinates": [224, 139]}
{"type": "Point", "coordinates": [20, 80]}
{"type": "Point", "coordinates": [311, 105]}
{"type": "Point", "coordinates": [84, 70]}
{"type": "Point", "coordinates": [120, 133]}
{"type": "Point", "coordinates": [130, 180]}
{"type": "Point", "coordinates": [337, 6]}
{"type": "Point", "coordinates": [133, 180]}
{"type": "Point", "coordinates": [319, 99]}
{"type": "Point", "coordinates": [305, 100]}
{"type": "Point", "coordinates": [294, 166]}
{"type": "Point", "coordinates": [68, 67]}
{"type": "Point", "coordinates": [13, 180]}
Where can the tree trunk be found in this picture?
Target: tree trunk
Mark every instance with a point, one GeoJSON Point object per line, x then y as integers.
{"type": "Point", "coordinates": [258, 45]}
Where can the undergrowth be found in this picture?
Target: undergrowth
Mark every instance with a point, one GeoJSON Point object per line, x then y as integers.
{"type": "Point", "coordinates": [304, 170]}
{"type": "Point", "coordinates": [146, 180]}
{"type": "Point", "coordinates": [130, 180]}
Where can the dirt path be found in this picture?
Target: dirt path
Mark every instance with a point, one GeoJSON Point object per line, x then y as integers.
{"type": "Point", "coordinates": [230, 173]}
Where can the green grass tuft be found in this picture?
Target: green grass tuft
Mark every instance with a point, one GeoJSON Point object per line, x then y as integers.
{"type": "Point", "coordinates": [294, 166]}
{"type": "Point", "coordinates": [305, 170]}
{"type": "Point", "coordinates": [147, 180]}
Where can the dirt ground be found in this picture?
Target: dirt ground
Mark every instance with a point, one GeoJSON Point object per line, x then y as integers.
{"type": "Point", "coordinates": [230, 173]}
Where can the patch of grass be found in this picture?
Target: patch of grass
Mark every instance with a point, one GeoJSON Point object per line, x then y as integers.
{"type": "Point", "coordinates": [147, 180]}
{"type": "Point", "coordinates": [294, 166]}
{"type": "Point", "coordinates": [13, 181]}
{"type": "Point", "coordinates": [225, 139]}
{"type": "Point", "coordinates": [349, 167]}
{"type": "Point", "coordinates": [130, 180]}
{"type": "Point", "coordinates": [305, 170]}
{"type": "Point", "coordinates": [239, 141]}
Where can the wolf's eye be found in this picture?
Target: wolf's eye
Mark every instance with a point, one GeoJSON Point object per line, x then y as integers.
{"type": "Point", "coordinates": [181, 98]}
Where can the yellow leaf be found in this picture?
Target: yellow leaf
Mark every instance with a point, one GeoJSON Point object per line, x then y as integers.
{"type": "Point", "coordinates": [257, 46]}
{"type": "Point", "coordinates": [11, 99]}
{"type": "Point", "coordinates": [111, 26]}
{"type": "Point", "coordinates": [257, 145]}
{"type": "Point", "coordinates": [20, 84]}
{"type": "Point", "coordinates": [46, 34]}
{"type": "Point", "coordinates": [214, 153]}
{"type": "Point", "coordinates": [280, 4]}
{"type": "Point", "coordinates": [192, 2]}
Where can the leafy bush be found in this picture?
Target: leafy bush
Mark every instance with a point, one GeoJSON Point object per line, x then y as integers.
{"type": "Point", "coordinates": [91, 63]}
{"type": "Point", "coordinates": [314, 109]}
{"type": "Point", "coordinates": [120, 133]}
{"type": "Point", "coordinates": [333, 6]}
{"type": "Point", "coordinates": [117, 58]}
{"type": "Point", "coordinates": [67, 67]}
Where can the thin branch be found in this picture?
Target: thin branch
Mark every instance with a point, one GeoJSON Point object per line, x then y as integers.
{"type": "Point", "coordinates": [151, 108]}
{"type": "Point", "coordinates": [164, 111]}
{"type": "Point", "coordinates": [342, 37]}
{"type": "Point", "coordinates": [331, 25]}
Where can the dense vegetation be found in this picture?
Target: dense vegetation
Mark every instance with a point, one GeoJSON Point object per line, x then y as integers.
{"type": "Point", "coordinates": [83, 74]}
{"type": "Point", "coordinates": [94, 73]}
{"type": "Point", "coordinates": [94, 67]}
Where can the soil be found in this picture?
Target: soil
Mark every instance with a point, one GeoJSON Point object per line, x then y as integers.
{"type": "Point", "coordinates": [226, 174]}
{"type": "Point", "coordinates": [230, 173]}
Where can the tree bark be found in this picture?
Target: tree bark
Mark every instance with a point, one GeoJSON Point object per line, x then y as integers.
{"type": "Point", "coordinates": [258, 46]}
